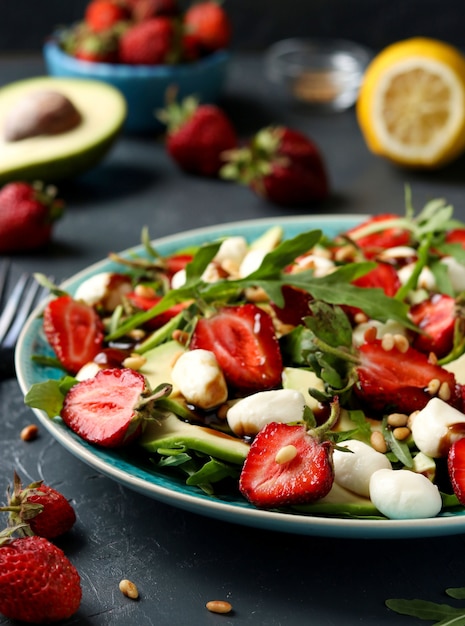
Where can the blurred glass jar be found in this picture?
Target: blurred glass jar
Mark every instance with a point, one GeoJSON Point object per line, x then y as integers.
{"type": "Point", "coordinates": [324, 74]}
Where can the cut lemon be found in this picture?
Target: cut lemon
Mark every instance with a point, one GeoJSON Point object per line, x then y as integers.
{"type": "Point", "coordinates": [411, 104]}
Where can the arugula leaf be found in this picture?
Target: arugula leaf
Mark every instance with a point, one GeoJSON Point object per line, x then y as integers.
{"type": "Point", "coordinates": [49, 395]}
{"type": "Point", "coordinates": [447, 615]}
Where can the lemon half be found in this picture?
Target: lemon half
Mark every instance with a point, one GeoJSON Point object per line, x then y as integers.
{"type": "Point", "coordinates": [411, 104]}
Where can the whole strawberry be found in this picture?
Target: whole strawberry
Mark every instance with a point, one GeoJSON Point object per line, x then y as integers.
{"type": "Point", "coordinates": [197, 135]}
{"type": "Point", "coordinates": [209, 25]}
{"type": "Point", "coordinates": [148, 43]}
{"type": "Point", "coordinates": [282, 165]}
{"type": "Point", "coordinates": [44, 510]}
{"type": "Point", "coordinates": [38, 583]}
{"type": "Point", "coordinates": [101, 15]}
{"type": "Point", "coordinates": [27, 213]}
{"type": "Point", "coordinates": [142, 10]}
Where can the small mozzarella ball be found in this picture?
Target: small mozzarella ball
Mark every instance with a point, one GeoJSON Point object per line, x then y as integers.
{"type": "Point", "coordinates": [353, 469]}
{"type": "Point", "coordinates": [425, 280]}
{"type": "Point", "coordinates": [232, 250]}
{"type": "Point", "coordinates": [456, 273]}
{"type": "Point", "coordinates": [105, 289]}
{"type": "Point", "coordinates": [431, 428]}
{"type": "Point", "coordinates": [398, 252]}
{"type": "Point", "coordinates": [252, 261]}
{"type": "Point", "coordinates": [387, 328]}
{"type": "Point", "coordinates": [402, 494]}
{"type": "Point", "coordinates": [249, 415]}
{"type": "Point", "coordinates": [320, 265]}
{"type": "Point", "coordinates": [178, 279]}
{"type": "Point", "coordinates": [199, 378]}
{"type": "Point", "coordinates": [89, 370]}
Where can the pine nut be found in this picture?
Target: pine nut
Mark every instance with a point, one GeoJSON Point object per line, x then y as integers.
{"type": "Point", "coordinates": [360, 317]}
{"type": "Point", "coordinates": [433, 386]}
{"type": "Point", "coordinates": [219, 606]}
{"type": "Point", "coordinates": [144, 291]}
{"type": "Point", "coordinates": [397, 419]}
{"type": "Point", "coordinates": [135, 361]}
{"type": "Point", "coordinates": [378, 442]}
{"type": "Point", "coordinates": [286, 454]}
{"type": "Point", "coordinates": [29, 433]}
{"type": "Point", "coordinates": [387, 342]}
{"type": "Point", "coordinates": [401, 343]}
{"type": "Point", "coordinates": [180, 336]}
{"type": "Point", "coordinates": [444, 392]}
{"type": "Point", "coordinates": [401, 433]}
{"type": "Point", "coordinates": [129, 589]}
{"type": "Point", "coordinates": [137, 334]}
{"type": "Point", "coordinates": [370, 334]}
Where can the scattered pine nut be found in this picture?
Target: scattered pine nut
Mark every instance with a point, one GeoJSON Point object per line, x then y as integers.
{"type": "Point", "coordinates": [180, 336]}
{"type": "Point", "coordinates": [444, 392]}
{"type": "Point", "coordinates": [129, 589]}
{"type": "Point", "coordinates": [144, 291]}
{"type": "Point", "coordinates": [30, 432]}
{"type": "Point", "coordinates": [433, 386]}
{"type": "Point", "coordinates": [401, 343]}
{"type": "Point", "coordinates": [378, 442]}
{"type": "Point", "coordinates": [219, 606]}
{"type": "Point", "coordinates": [387, 342]}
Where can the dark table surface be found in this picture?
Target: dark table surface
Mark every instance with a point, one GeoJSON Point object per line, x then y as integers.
{"type": "Point", "coordinates": [180, 560]}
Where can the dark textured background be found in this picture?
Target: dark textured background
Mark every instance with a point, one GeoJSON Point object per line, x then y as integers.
{"type": "Point", "coordinates": [24, 24]}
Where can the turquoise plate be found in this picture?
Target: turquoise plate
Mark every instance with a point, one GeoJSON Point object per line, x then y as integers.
{"type": "Point", "coordinates": [148, 480]}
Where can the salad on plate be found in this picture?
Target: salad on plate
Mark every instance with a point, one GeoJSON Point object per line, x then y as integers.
{"type": "Point", "coordinates": [317, 375]}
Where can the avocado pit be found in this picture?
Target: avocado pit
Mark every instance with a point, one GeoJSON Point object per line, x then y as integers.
{"type": "Point", "coordinates": [43, 112]}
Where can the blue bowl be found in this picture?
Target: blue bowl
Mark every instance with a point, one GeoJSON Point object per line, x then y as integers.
{"type": "Point", "coordinates": [144, 86]}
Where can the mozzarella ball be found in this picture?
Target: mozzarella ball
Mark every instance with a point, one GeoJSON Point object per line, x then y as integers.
{"type": "Point", "coordinates": [199, 378]}
{"type": "Point", "coordinates": [402, 494]}
{"type": "Point", "coordinates": [431, 428]}
{"type": "Point", "coordinates": [455, 272]}
{"type": "Point", "coordinates": [354, 468]}
{"type": "Point", "coordinates": [382, 328]}
{"type": "Point", "coordinates": [105, 289]}
{"type": "Point", "coordinates": [249, 415]}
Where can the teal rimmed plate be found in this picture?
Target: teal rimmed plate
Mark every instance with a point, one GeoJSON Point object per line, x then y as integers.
{"type": "Point", "coordinates": [146, 479]}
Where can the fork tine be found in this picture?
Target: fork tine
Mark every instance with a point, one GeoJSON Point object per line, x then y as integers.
{"type": "Point", "coordinates": [12, 305]}
{"type": "Point", "coordinates": [25, 307]}
{"type": "Point", "coordinates": [4, 274]}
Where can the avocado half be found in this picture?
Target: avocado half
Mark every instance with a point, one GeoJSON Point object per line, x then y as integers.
{"type": "Point", "coordinates": [54, 157]}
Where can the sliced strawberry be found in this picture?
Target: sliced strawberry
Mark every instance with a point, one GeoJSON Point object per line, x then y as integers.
{"type": "Point", "coordinates": [286, 465]}
{"type": "Point", "coordinates": [74, 330]}
{"type": "Point", "coordinates": [456, 468]}
{"type": "Point", "coordinates": [177, 262]}
{"type": "Point", "coordinates": [457, 235]}
{"type": "Point", "coordinates": [384, 238]}
{"type": "Point", "coordinates": [145, 303]}
{"type": "Point", "coordinates": [393, 380]}
{"type": "Point", "coordinates": [383, 276]}
{"type": "Point", "coordinates": [436, 318]}
{"type": "Point", "coordinates": [295, 307]}
{"type": "Point", "coordinates": [104, 410]}
{"type": "Point", "coordinates": [244, 342]}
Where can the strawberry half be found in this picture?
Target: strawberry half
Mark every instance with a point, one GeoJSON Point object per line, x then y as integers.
{"type": "Point", "coordinates": [286, 465]}
{"type": "Point", "coordinates": [375, 235]}
{"type": "Point", "coordinates": [106, 410]}
{"type": "Point", "coordinates": [456, 468]}
{"type": "Point", "coordinates": [74, 330]}
{"type": "Point", "coordinates": [436, 318]}
{"type": "Point", "coordinates": [395, 380]}
{"type": "Point", "coordinates": [244, 342]}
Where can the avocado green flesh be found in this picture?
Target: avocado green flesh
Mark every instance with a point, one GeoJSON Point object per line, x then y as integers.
{"type": "Point", "coordinates": [170, 432]}
{"type": "Point", "coordinates": [340, 501]}
{"type": "Point", "coordinates": [54, 157]}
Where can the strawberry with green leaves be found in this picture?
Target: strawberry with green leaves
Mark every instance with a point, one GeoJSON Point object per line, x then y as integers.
{"type": "Point", "coordinates": [74, 330]}
{"type": "Point", "coordinates": [281, 165]}
{"type": "Point", "coordinates": [41, 509]}
{"type": "Point", "coordinates": [197, 135]}
{"type": "Point", "coordinates": [38, 583]}
{"type": "Point", "coordinates": [27, 215]}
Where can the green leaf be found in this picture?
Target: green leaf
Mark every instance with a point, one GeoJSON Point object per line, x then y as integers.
{"type": "Point", "coordinates": [428, 611]}
{"type": "Point", "coordinates": [49, 395]}
{"type": "Point", "coordinates": [211, 472]}
{"type": "Point", "coordinates": [456, 592]}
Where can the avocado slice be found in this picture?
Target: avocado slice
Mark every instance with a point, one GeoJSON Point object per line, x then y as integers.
{"type": "Point", "coordinates": [159, 363]}
{"type": "Point", "coordinates": [167, 431]}
{"type": "Point", "coordinates": [52, 157]}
